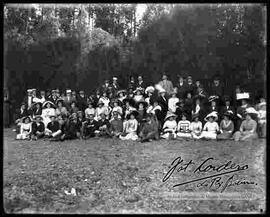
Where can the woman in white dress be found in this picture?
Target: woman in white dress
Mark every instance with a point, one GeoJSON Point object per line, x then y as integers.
{"type": "Point", "coordinates": [196, 126]}
{"type": "Point", "coordinates": [149, 92]}
{"type": "Point", "coordinates": [25, 128]}
{"type": "Point", "coordinates": [172, 101]}
{"type": "Point", "coordinates": [211, 127]}
{"type": "Point", "coordinates": [183, 127]}
{"type": "Point", "coordinates": [47, 111]}
{"type": "Point", "coordinates": [138, 95]}
{"type": "Point", "coordinates": [169, 127]}
{"type": "Point", "coordinates": [130, 127]}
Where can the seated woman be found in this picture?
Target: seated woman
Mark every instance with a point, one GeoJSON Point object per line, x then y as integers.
{"type": "Point", "coordinates": [183, 128]}
{"type": "Point", "coordinates": [101, 109]}
{"type": "Point", "coordinates": [211, 127]}
{"type": "Point", "coordinates": [53, 129]}
{"type": "Point", "coordinates": [72, 130]}
{"type": "Point", "coordinates": [116, 124]}
{"type": "Point", "coordinates": [149, 92]}
{"type": "Point", "coordinates": [73, 107]}
{"type": "Point", "coordinates": [36, 109]}
{"type": "Point", "coordinates": [25, 129]}
{"type": "Point", "coordinates": [38, 128]}
{"type": "Point", "coordinates": [60, 110]}
{"type": "Point", "coordinates": [156, 110]}
{"type": "Point", "coordinates": [196, 126]}
{"type": "Point", "coordinates": [121, 94]}
{"type": "Point", "coordinates": [47, 111]}
{"type": "Point", "coordinates": [103, 126]}
{"type": "Point", "coordinates": [226, 126]}
{"type": "Point", "coordinates": [130, 127]}
{"type": "Point", "coordinates": [141, 106]}
{"type": "Point", "coordinates": [116, 107]}
{"type": "Point", "coordinates": [248, 127]}
{"type": "Point", "coordinates": [149, 130]}
{"type": "Point", "coordinates": [138, 94]}
{"type": "Point", "coordinates": [173, 100]}
{"type": "Point", "coordinates": [90, 110]}
{"type": "Point", "coordinates": [169, 127]}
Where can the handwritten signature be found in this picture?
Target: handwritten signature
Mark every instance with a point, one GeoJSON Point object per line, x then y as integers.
{"type": "Point", "coordinates": [211, 181]}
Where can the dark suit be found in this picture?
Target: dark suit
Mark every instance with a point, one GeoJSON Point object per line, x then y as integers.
{"type": "Point", "coordinates": [82, 103]}
{"type": "Point", "coordinates": [181, 90]}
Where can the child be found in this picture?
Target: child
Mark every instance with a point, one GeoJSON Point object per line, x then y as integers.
{"type": "Point", "coordinates": [172, 101]}
{"type": "Point", "coordinates": [170, 126]}
{"type": "Point", "coordinates": [226, 126]}
{"type": "Point", "coordinates": [38, 128]}
{"type": "Point", "coordinates": [103, 126]}
{"type": "Point", "coordinates": [116, 125]}
{"type": "Point", "coordinates": [101, 109]}
{"type": "Point", "coordinates": [211, 127]}
{"type": "Point", "coordinates": [196, 126]}
{"type": "Point", "coordinates": [89, 127]}
{"type": "Point", "coordinates": [130, 127]}
{"type": "Point", "coordinates": [183, 127]}
{"type": "Point", "coordinates": [25, 129]}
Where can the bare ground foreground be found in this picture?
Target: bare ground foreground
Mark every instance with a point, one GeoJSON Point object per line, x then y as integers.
{"type": "Point", "coordinates": [113, 176]}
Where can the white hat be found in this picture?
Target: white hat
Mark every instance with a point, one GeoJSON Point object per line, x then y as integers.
{"type": "Point", "coordinates": [262, 104]}
{"type": "Point", "coordinates": [212, 114]}
{"type": "Point", "coordinates": [68, 91]}
{"type": "Point", "coordinates": [29, 90]}
{"type": "Point", "coordinates": [251, 110]}
{"type": "Point", "coordinates": [160, 88]}
{"type": "Point", "coordinates": [242, 96]}
{"type": "Point", "coordinates": [114, 78]}
{"type": "Point", "coordinates": [149, 89]}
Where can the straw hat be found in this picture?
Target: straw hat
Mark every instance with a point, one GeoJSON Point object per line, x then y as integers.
{"type": "Point", "coordinates": [251, 110]}
{"type": "Point", "coordinates": [212, 114]}
{"type": "Point", "coordinates": [138, 89]}
{"type": "Point", "coordinates": [170, 114]}
{"type": "Point", "coordinates": [240, 96]}
{"type": "Point", "coordinates": [213, 98]}
{"type": "Point", "coordinates": [143, 102]}
{"type": "Point", "coordinates": [121, 91]}
{"type": "Point", "coordinates": [196, 115]}
{"type": "Point", "coordinates": [228, 113]}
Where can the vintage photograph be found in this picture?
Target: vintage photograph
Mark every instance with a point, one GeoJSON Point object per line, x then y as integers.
{"type": "Point", "coordinates": [134, 108]}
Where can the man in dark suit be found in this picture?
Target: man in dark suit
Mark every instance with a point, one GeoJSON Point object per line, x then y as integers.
{"type": "Point", "coordinates": [190, 85]}
{"type": "Point", "coordinates": [140, 83]}
{"type": "Point", "coordinates": [181, 87]}
{"type": "Point", "coordinates": [163, 102]}
{"type": "Point", "coordinates": [53, 97]}
{"type": "Point", "coordinates": [82, 101]}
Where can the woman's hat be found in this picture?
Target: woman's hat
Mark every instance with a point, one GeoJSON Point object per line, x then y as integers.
{"type": "Point", "coordinates": [46, 102]}
{"type": "Point", "coordinates": [142, 102]}
{"type": "Point", "coordinates": [38, 117]}
{"type": "Point", "coordinates": [251, 110]}
{"type": "Point", "coordinates": [35, 103]}
{"type": "Point", "coordinates": [196, 115]}
{"type": "Point", "coordinates": [160, 88]}
{"type": "Point", "coordinates": [260, 105]}
{"type": "Point", "coordinates": [213, 98]}
{"type": "Point", "coordinates": [133, 112]}
{"type": "Point", "coordinates": [149, 89]}
{"type": "Point", "coordinates": [240, 96]}
{"type": "Point", "coordinates": [121, 91]}
{"type": "Point", "coordinates": [170, 114]}
{"type": "Point", "coordinates": [59, 100]}
{"type": "Point", "coordinates": [53, 116]}
{"type": "Point", "coordinates": [25, 117]}
{"type": "Point", "coordinates": [100, 102]}
{"type": "Point", "coordinates": [130, 100]}
{"type": "Point", "coordinates": [212, 114]}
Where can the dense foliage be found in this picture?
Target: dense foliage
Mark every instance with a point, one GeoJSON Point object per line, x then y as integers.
{"type": "Point", "coordinates": [79, 46]}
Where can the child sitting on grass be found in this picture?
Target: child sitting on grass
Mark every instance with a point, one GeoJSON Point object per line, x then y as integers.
{"type": "Point", "coordinates": [211, 127]}
{"type": "Point", "coordinates": [169, 127]}
{"type": "Point", "coordinates": [130, 127]}
{"type": "Point", "coordinates": [183, 127]}
{"type": "Point", "coordinates": [196, 126]}
{"type": "Point", "coordinates": [25, 129]}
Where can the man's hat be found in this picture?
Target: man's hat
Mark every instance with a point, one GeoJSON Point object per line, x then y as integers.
{"type": "Point", "coordinates": [68, 91]}
{"type": "Point", "coordinates": [38, 117]}
{"type": "Point", "coordinates": [115, 78]}
{"type": "Point", "coordinates": [59, 100]}
{"type": "Point", "coordinates": [213, 98]}
{"type": "Point", "coordinates": [81, 91]}
{"type": "Point", "coordinates": [29, 90]}
{"type": "Point", "coordinates": [229, 114]}
{"type": "Point", "coordinates": [240, 96]}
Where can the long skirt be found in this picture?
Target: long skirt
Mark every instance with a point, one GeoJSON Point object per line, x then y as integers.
{"type": "Point", "coordinates": [184, 135]}
{"type": "Point", "coordinates": [23, 136]}
{"type": "Point", "coordinates": [168, 135]}
{"type": "Point", "coordinates": [208, 135]}
{"type": "Point", "coordinates": [130, 136]}
{"type": "Point", "coordinates": [238, 136]}
{"type": "Point", "coordinates": [195, 135]}
{"type": "Point", "coordinates": [224, 136]}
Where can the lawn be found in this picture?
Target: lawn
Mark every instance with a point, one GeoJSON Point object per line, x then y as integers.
{"type": "Point", "coordinates": [113, 176]}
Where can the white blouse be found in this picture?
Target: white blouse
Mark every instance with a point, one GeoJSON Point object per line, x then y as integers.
{"type": "Point", "coordinates": [211, 127]}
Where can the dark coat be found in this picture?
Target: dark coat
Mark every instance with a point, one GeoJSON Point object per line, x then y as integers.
{"type": "Point", "coordinates": [53, 126]}
{"type": "Point", "coordinates": [82, 103]}
{"type": "Point", "coordinates": [39, 128]}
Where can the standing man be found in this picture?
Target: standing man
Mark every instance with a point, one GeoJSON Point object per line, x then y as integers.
{"type": "Point", "coordinates": [217, 88]}
{"type": "Point", "coordinates": [53, 97]}
{"type": "Point", "coordinates": [140, 83]}
{"type": "Point", "coordinates": [115, 85]}
{"type": "Point", "coordinates": [68, 99]}
{"type": "Point", "coordinates": [82, 101]}
{"type": "Point", "coordinates": [29, 99]}
{"type": "Point", "coordinates": [181, 87]}
{"type": "Point", "coordinates": [166, 84]}
{"type": "Point", "coordinates": [190, 85]}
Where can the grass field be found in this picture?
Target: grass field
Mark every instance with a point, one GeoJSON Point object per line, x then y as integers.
{"type": "Point", "coordinates": [113, 176]}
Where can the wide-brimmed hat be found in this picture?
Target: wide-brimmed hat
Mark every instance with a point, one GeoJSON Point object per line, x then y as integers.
{"type": "Point", "coordinates": [170, 114]}
{"type": "Point", "coordinates": [133, 112]}
{"type": "Point", "coordinates": [121, 91]}
{"type": "Point", "coordinates": [88, 116]}
{"type": "Point", "coordinates": [213, 98]}
{"type": "Point", "coordinates": [261, 105]}
{"type": "Point", "coordinates": [59, 100]}
{"type": "Point", "coordinates": [38, 116]}
{"type": "Point", "coordinates": [149, 89]}
{"type": "Point", "coordinates": [138, 89]}
{"type": "Point", "coordinates": [53, 116]}
{"type": "Point", "coordinates": [24, 118]}
{"type": "Point", "coordinates": [240, 96]}
{"type": "Point", "coordinates": [195, 115]}
{"type": "Point", "coordinates": [100, 102]}
{"type": "Point", "coordinates": [212, 114]}
{"type": "Point", "coordinates": [141, 102]}
{"type": "Point", "coordinates": [130, 100]}
{"type": "Point", "coordinates": [35, 103]}
{"type": "Point", "coordinates": [46, 102]}
{"type": "Point", "coordinates": [251, 111]}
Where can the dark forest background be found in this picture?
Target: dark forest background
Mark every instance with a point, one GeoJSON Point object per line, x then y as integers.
{"type": "Point", "coordinates": [78, 46]}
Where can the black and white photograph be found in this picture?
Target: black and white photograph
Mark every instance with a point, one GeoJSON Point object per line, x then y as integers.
{"type": "Point", "coordinates": [142, 108]}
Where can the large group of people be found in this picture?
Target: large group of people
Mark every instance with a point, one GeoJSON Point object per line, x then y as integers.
{"type": "Point", "coordinates": [143, 113]}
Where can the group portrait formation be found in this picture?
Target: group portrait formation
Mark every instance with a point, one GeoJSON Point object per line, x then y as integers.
{"type": "Point", "coordinates": [181, 110]}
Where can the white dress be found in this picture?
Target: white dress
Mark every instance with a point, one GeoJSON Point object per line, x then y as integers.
{"type": "Point", "coordinates": [183, 129]}
{"type": "Point", "coordinates": [210, 130]}
{"type": "Point", "coordinates": [25, 130]}
{"type": "Point", "coordinates": [172, 104]}
{"type": "Point", "coordinates": [196, 129]}
{"type": "Point", "coordinates": [130, 127]}
{"type": "Point", "coordinates": [105, 100]}
{"type": "Point", "coordinates": [46, 113]}
{"type": "Point", "coordinates": [99, 110]}
{"type": "Point", "coordinates": [169, 127]}
{"type": "Point", "coordinates": [90, 111]}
